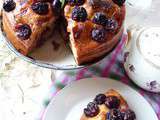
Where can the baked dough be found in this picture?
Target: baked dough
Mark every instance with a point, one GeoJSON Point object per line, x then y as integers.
{"type": "Point", "coordinates": [84, 48]}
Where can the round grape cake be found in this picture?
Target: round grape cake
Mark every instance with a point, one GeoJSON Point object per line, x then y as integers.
{"type": "Point", "coordinates": [93, 27]}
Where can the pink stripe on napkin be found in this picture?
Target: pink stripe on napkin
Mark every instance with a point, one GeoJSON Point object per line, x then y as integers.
{"type": "Point", "coordinates": [106, 70]}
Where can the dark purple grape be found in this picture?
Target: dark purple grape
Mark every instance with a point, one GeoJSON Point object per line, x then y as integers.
{"type": "Point", "coordinates": [91, 110]}
{"type": "Point", "coordinates": [119, 2]}
{"type": "Point", "coordinates": [112, 102]}
{"type": "Point", "coordinates": [80, 2]}
{"type": "Point", "coordinates": [24, 31]}
{"type": "Point", "coordinates": [75, 2]}
{"type": "Point", "coordinates": [129, 115]}
{"type": "Point", "coordinates": [98, 34]}
{"type": "Point", "coordinates": [111, 24]}
{"type": "Point", "coordinates": [9, 5]}
{"type": "Point", "coordinates": [56, 5]}
{"type": "Point", "coordinates": [40, 8]}
{"type": "Point", "coordinates": [72, 2]}
{"type": "Point", "coordinates": [100, 99]}
{"type": "Point", "coordinates": [79, 14]}
{"type": "Point", "coordinates": [114, 114]}
{"type": "Point", "coordinates": [99, 18]}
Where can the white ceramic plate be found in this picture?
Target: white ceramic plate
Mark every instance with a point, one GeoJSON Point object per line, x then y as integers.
{"type": "Point", "coordinates": [69, 103]}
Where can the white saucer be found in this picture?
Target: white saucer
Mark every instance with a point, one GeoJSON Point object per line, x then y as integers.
{"type": "Point", "coordinates": [69, 103]}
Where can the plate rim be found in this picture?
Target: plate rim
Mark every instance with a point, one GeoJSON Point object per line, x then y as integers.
{"type": "Point", "coordinates": [74, 83]}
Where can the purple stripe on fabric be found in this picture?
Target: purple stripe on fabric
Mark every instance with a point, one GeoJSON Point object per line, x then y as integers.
{"type": "Point", "coordinates": [141, 92]}
{"type": "Point", "coordinates": [106, 70]}
{"type": "Point", "coordinates": [81, 73]}
{"type": "Point", "coordinates": [65, 80]}
{"type": "Point", "coordinates": [157, 105]}
{"type": "Point", "coordinates": [157, 111]}
{"type": "Point", "coordinates": [122, 78]}
{"type": "Point", "coordinates": [89, 73]}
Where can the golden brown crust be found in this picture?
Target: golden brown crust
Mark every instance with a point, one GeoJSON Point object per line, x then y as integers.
{"type": "Point", "coordinates": [10, 34]}
{"type": "Point", "coordinates": [104, 109]}
{"type": "Point", "coordinates": [23, 14]}
{"type": "Point", "coordinates": [92, 53]}
{"type": "Point", "coordinates": [83, 47]}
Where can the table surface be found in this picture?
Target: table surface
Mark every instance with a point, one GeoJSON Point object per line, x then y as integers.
{"type": "Point", "coordinates": [26, 89]}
